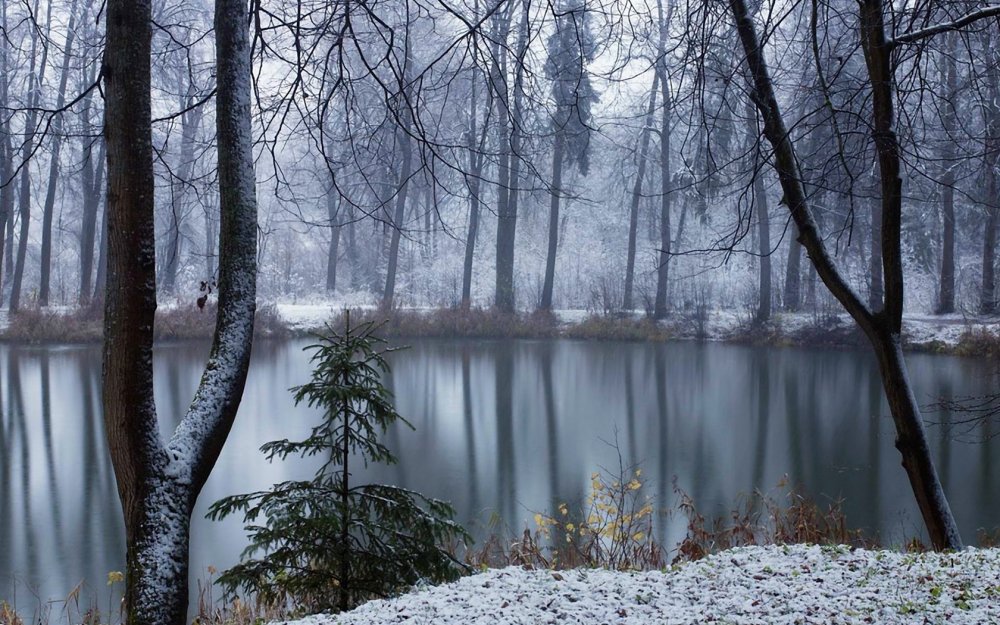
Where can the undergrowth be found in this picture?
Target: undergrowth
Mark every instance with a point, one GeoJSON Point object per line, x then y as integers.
{"type": "Point", "coordinates": [38, 325]}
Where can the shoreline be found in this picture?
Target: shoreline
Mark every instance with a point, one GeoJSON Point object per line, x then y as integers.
{"type": "Point", "coordinates": [950, 334]}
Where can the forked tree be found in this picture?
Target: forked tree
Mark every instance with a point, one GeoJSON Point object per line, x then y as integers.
{"type": "Point", "coordinates": [159, 481]}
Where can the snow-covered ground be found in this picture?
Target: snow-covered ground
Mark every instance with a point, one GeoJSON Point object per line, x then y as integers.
{"type": "Point", "coordinates": [751, 585]}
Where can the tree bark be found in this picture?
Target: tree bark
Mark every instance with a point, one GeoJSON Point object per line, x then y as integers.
{"type": "Point", "coordinates": [159, 484]}
{"type": "Point", "coordinates": [884, 328]}
{"type": "Point", "coordinates": [633, 224]}
{"type": "Point", "coordinates": [556, 193]}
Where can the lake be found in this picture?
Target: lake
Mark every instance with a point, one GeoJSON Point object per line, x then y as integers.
{"type": "Point", "coordinates": [503, 429]}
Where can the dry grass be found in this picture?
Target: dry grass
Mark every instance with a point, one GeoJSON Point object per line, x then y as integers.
{"type": "Point", "coordinates": [979, 342]}
{"type": "Point", "coordinates": [456, 323]}
{"type": "Point", "coordinates": [39, 325]}
{"type": "Point", "coordinates": [782, 517]}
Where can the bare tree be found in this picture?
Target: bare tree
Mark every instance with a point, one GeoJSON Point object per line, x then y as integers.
{"type": "Point", "coordinates": [158, 482]}
{"type": "Point", "coordinates": [883, 326]}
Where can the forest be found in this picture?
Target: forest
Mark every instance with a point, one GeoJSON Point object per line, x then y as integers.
{"type": "Point", "coordinates": [518, 162]}
{"type": "Point", "coordinates": [523, 156]}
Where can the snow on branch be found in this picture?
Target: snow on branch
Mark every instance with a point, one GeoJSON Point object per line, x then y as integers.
{"type": "Point", "coordinates": [937, 29]}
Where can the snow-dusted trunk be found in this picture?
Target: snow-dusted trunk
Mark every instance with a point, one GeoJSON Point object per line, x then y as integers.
{"type": "Point", "coordinates": [884, 328]}
{"type": "Point", "coordinates": [159, 483]}
{"type": "Point", "coordinates": [556, 195]}
{"type": "Point", "coordinates": [949, 123]}
{"type": "Point", "coordinates": [48, 210]}
{"type": "Point", "coordinates": [633, 223]}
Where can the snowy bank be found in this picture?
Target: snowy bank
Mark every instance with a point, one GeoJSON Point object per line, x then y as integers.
{"type": "Point", "coordinates": [921, 332]}
{"type": "Point", "coordinates": [750, 585]}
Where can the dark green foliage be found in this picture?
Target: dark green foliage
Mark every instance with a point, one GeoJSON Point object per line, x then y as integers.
{"type": "Point", "coordinates": [330, 544]}
{"type": "Point", "coordinates": [570, 48]}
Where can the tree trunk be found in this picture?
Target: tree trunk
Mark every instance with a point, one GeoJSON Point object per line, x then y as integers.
{"type": "Point", "coordinates": [101, 278]}
{"type": "Point", "coordinates": [550, 257]}
{"type": "Point", "coordinates": [50, 193]}
{"type": "Point", "coordinates": [400, 210]}
{"type": "Point", "coordinates": [6, 149]}
{"type": "Point", "coordinates": [510, 127]}
{"type": "Point", "coordinates": [27, 148]}
{"type": "Point", "coordinates": [190, 123]}
{"type": "Point", "coordinates": [472, 182]}
{"type": "Point", "coordinates": [949, 123]}
{"type": "Point", "coordinates": [93, 189]}
{"type": "Point", "coordinates": [666, 183]}
{"type": "Point", "coordinates": [792, 296]}
{"type": "Point", "coordinates": [763, 250]}
{"type": "Point", "coordinates": [333, 210]}
{"type": "Point", "coordinates": [875, 290]}
{"type": "Point", "coordinates": [159, 484]}
{"type": "Point", "coordinates": [991, 160]}
{"type": "Point", "coordinates": [883, 329]}
{"type": "Point", "coordinates": [633, 224]}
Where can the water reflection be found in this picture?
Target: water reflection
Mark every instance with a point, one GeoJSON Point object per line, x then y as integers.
{"type": "Point", "coordinates": [503, 429]}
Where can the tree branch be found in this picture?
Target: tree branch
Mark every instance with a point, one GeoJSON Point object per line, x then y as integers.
{"type": "Point", "coordinates": [937, 29]}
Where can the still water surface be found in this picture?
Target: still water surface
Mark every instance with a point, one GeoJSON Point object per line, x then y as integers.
{"type": "Point", "coordinates": [503, 429]}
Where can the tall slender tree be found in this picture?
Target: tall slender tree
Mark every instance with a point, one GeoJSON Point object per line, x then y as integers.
{"type": "Point", "coordinates": [571, 47]}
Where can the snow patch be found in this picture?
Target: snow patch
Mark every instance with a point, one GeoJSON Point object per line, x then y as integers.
{"type": "Point", "coordinates": [750, 585]}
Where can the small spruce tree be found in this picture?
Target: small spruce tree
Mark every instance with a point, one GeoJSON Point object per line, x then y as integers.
{"type": "Point", "coordinates": [329, 544]}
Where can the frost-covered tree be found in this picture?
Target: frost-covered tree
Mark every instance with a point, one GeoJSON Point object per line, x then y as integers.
{"type": "Point", "coordinates": [570, 48]}
{"type": "Point", "coordinates": [158, 481]}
